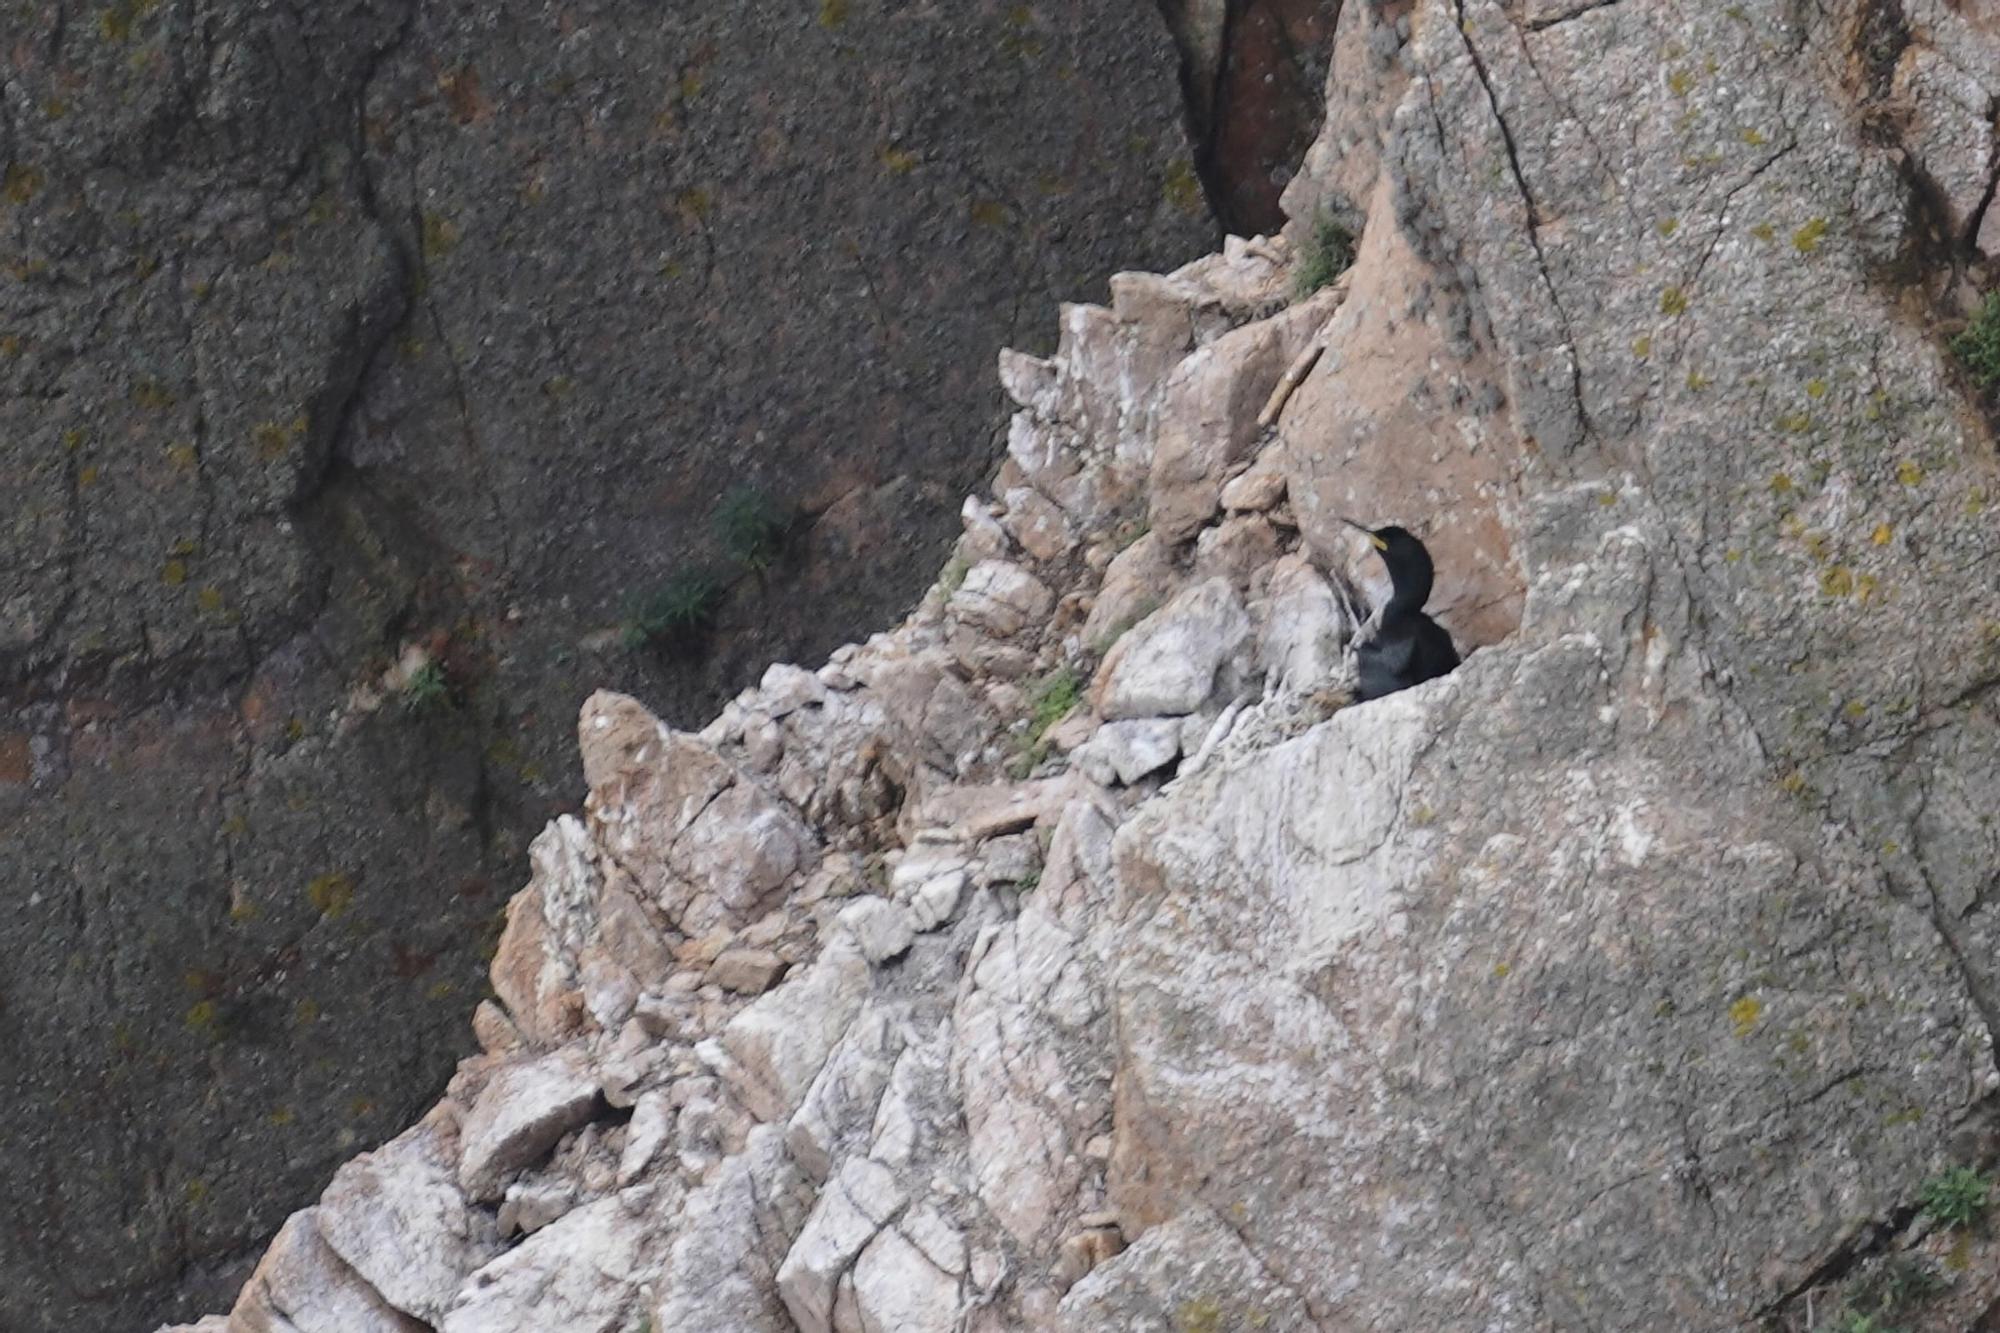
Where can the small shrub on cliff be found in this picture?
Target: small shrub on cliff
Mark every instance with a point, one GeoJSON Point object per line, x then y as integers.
{"type": "Point", "coordinates": [427, 688]}
{"type": "Point", "coordinates": [1978, 347]}
{"type": "Point", "coordinates": [677, 615]}
{"type": "Point", "coordinates": [1958, 1198]}
{"type": "Point", "coordinates": [1325, 256]}
{"type": "Point", "coordinates": [751, 527]}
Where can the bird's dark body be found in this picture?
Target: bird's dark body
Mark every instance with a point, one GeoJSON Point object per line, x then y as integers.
{"type": "Point", "coordinates": [1409, 647]}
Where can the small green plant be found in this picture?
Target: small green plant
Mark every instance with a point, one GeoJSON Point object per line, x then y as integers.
{"type": "Point", "coordinates": [427, 688]}
{"type": "Point", "coordinates": [1895, 1285]}
{"type": "Point", "coordinates": [952, 577]}
{"type": "Point", "coordinates": [751, 527]}
{"type": "Point", "coordinates": [1978, 347]}
{"type": "Point", "coordinates": [1053, 698]}
{"type": "Point", "coordinates": [1958, 1198]}
{"type": "Point", "coordinates": [677, 615]}
{"type": "Point", "coordinates": [1325, 255]}
{"type": "Point", "coordinates": [1853, 1321]}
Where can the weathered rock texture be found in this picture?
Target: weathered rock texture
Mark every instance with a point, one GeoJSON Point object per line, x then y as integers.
{"type": "Point", "coordinates": [340, 341]}
{"type": "Point", "coordinates": [1636, 973]}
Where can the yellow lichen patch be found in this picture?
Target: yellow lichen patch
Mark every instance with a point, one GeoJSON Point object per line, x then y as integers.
{"type": "Point", "coordinates": [897, 161]}
{"type": "Point", "coordinates": [182, 456]}
{"type": "Point", "coordinates": [1743, 1015]}
{"type": "Point", "coordinates": [1807, 238]}
{"type": "Point", "coordinates": [1642, 346]}
{"type": "Point", "coordinates": [196, 1191]}
{"type": "Point", "coordinates": [1817, 546]}
{"type": "Point", "coordinates": [330, 894]}
{"type": "Point", "coordinates": [1182, 187]}
{"type": "Point", "coordinates": [295, 729]}
{"type": "Point", "coordinates": [832, 13]}
{"type": "Point", "coordinates": [283, 1116]}
{"type": "Point", "coordinates": [174, 573]}
{"type": "Point", "coordinates": [209, 598]}
{"type": "Point", "coordinates": [440, 990]}
{"type": "Point", "coordinates": [361, 1106]}
{"type": "Point", "coordinates": [1781, 482]}
{"type": "Point", "coordinates": [1837, 582]}
{"type": "Point", "coordinates": [1732, 555]}
{"type": "Point", "coordinates": [1975, 501]}
{"type": "Point", "coordinates": [1764, 231]}
{"type": "Point", "coordinates": [1697, 381]}
{"type": "Point", "coordinates": [1909, 472]}
{"type": "Point", "coordinates": [1200, 1315]}
{"type": "Point", "coordinates": [1500, 971]}
{"type": "Point", "coordinates": [440, 236]}
{"type": "Point", "coordinates": [1815, 388]}
{"type": "Point", "coordinates": [21, 183]}
{"type": "Point", "coordinates": [1882, 535]}
{"type": "Point", "coordinates": [1668, 226]}
{"type": "Point", "coordinates": [1795, 423]}
{"type": "Point", "coordinates": [1680, 82]}
{"type": "Point", "coordinates": [1793, 783]}
{"type": "Point", "coordinates": [243, 913]}
{"type": "Point", "coordinates": [1855, 710]}
{"type": "Point", "coordinates": [152, 395]}
{"type": "Point", "coordinates": [1673, 301]}
{"type": "Point", "coordinates": [1753, 136]}
{"type": "Point", "coordinates": [202, 1016]}
{"type": "Point", "coordinates": [306, 1011]}
{"type": "Point", "coordinates": [1865, 588]}
{"type": "Point", "coordinates": [270, 439]}
{"type": "Point", "coordinates": [1606, 499]}
{"type": "Point", "coordinates": [989, 213]}
{"type": "Point", "coordinates": [1959, 1257]}
{"type": "Point", "coordinates": [695, 203]}
{"type": "Point", "coordinates": [1891, 848]}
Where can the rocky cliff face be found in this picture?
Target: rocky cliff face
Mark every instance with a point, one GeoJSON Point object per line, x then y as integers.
{"type": "Point", "coordinates": [1068, 958]}
{"type": "Point", "coordinates": [363, 368]}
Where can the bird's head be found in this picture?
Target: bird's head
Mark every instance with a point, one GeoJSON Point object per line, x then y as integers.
{"type": "Point", "coordinates": [1407, 560]}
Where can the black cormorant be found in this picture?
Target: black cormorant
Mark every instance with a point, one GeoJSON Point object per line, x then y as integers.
{"type": "Point", "coordinates": [1409, 647]}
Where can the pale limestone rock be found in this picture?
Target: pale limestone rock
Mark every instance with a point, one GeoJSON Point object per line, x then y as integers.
{"type": "Point", "coordinates": [1042, 530]}
{"type": "Point", "coordinates": [897, 1289]}
{"type": "Point", "coordinates": [857, 1203]}
{"type": "Point", "coordinates": [1303, 630]}
{"type": "Point", "coordinates": [532, 1204]}
{"type": "Point", "coordinates": [746, 971]}
{"type": "Point", "coordinates": [1193, 1271]}
{"type": "Point", "coordinates": [397, 1217]}
{"type": "Point", "coordinates": [779, 1043]}
{"type": "Point", "coordinates": [587, 1272]}
{"type": "Point", "coordinates": [742, 848]}
{"type": "Point", "coordinates": [1236, 548]}
{"type": "Point", "coordinates": [652, 1125]}
{"type": "Point", "coordinates": [1256, 490]}
{"type": "Point", "coordinates": [734, 1233]}
{"type": "Point", "coordinates": [1208, 422]}
{"type": "Point", "coordinates": [520, 1114]}
{"type": "Point", "coordinates": [1001, 599]}
{"type": "Point", "coordinates": [494, 1030]}
{"type": "Point", "coordinates": [1031, 382]}
{"type": "Point", "coordinates": [1166, 666]}
{"type": "Point", "coordinates": [534, 969]}
{"type": "Point", "coordinates": [1137, 583]}
{"type": "Point", "coordinates": [933, 904]}
{"type": "Point", "coordinates": [302, 1285]}
{"type": "Point", "coordinates": [940, 1241]}
{"type": "Point", "coordinates": [881, 928]}
{"type": "Point", "coordinates": [1131, 750]}
{"type": "Point", "coordinates": [839, 1109]}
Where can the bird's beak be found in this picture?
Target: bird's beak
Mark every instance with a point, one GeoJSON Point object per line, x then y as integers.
{"type": "Point", "coordinates": [1373, 540]}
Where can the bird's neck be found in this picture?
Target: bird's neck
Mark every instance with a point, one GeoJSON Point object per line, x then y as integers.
{"type": "Point", "coordinates": [1409, 596]}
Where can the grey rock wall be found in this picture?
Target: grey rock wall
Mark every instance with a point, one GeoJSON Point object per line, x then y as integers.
{"type": "Point", "coordinates": [340, 339]}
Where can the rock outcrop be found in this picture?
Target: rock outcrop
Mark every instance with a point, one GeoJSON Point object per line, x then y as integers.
{"type": "Point", "coordinates": [1639, 970]}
